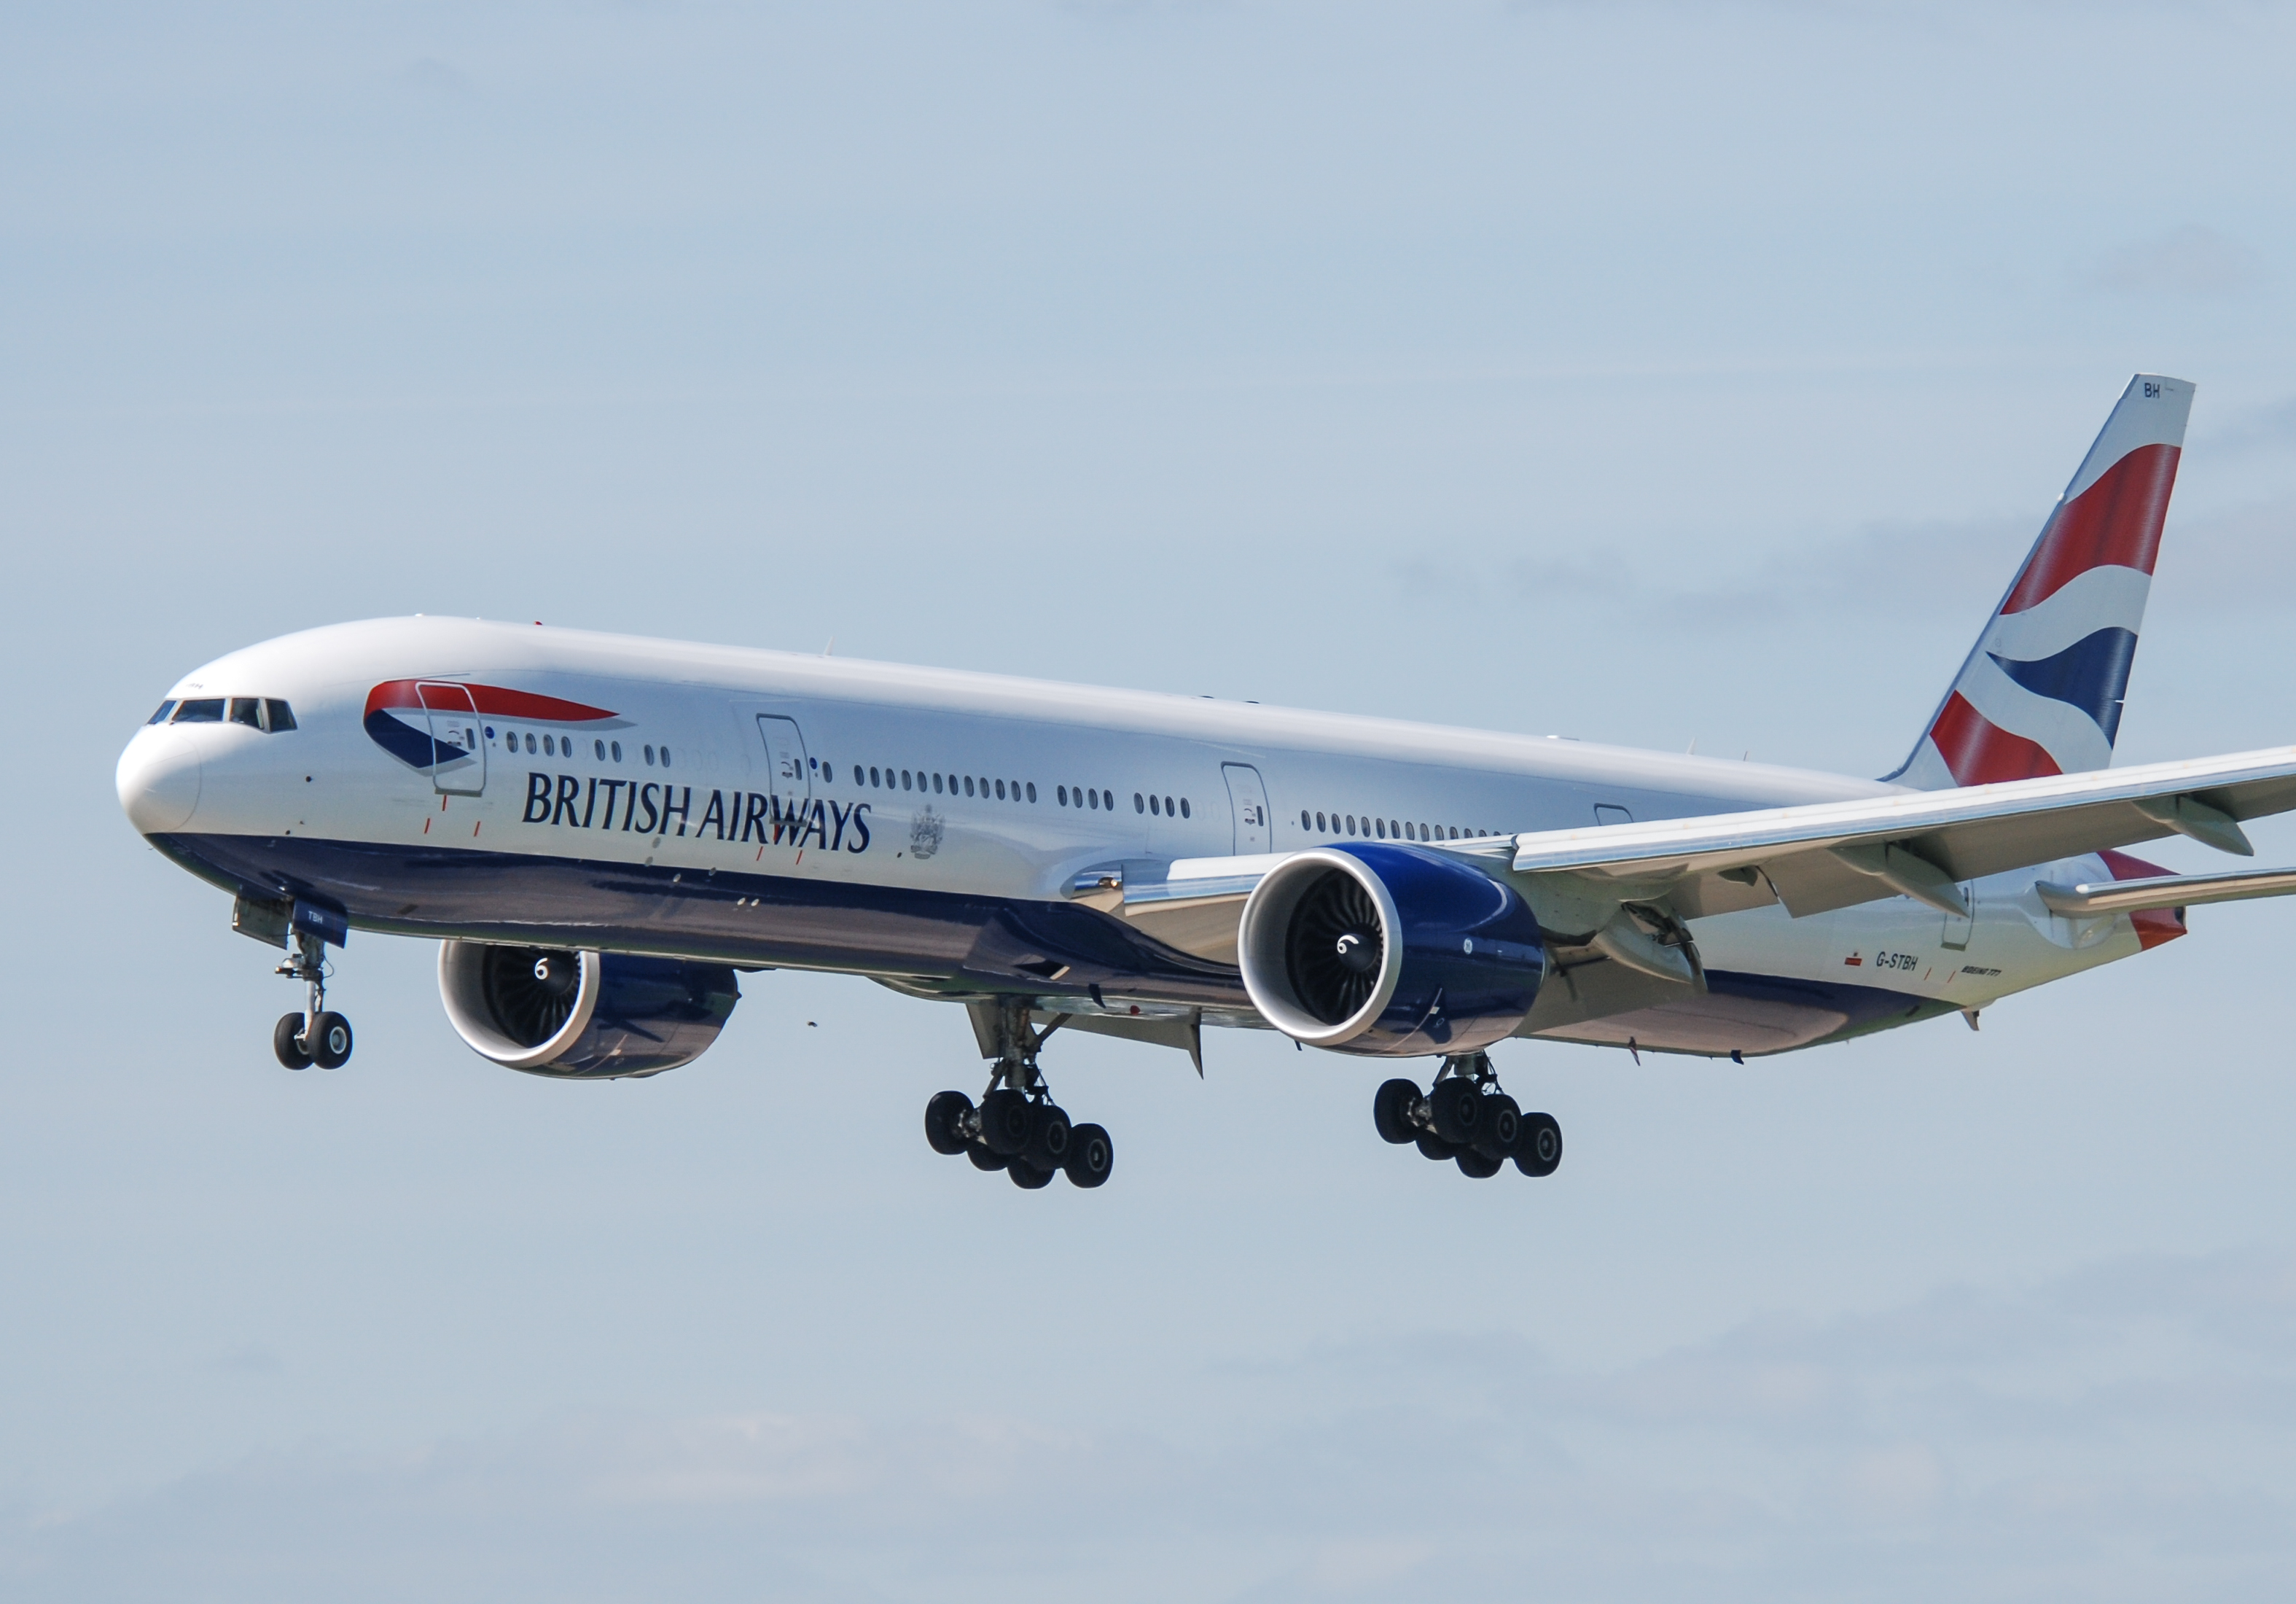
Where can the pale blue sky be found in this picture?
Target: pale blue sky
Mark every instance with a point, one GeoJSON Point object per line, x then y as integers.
{"type": "Point", "coordinates": [1645, 372]}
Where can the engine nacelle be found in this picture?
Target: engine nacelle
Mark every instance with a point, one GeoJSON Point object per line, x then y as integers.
{"type": "Point", "coordinates": [1391, 951]}
{"type": "Point", "coordinates": [583, 1015]}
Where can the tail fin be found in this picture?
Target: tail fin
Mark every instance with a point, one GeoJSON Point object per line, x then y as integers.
{"type": "Point", "coordinates": [2042, 689]}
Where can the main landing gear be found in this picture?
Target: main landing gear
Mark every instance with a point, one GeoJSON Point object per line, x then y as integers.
{"type": "Point", "coordinates": [1017, 1127]}
{"type": "Point", "coordinates": [1466, 1118]}
{"type": "Point", "coordinates": [314, 1036]}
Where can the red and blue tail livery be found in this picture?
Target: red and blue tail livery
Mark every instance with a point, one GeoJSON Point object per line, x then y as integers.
{"type": "Point", "coordinates": [442, 725]}
{"type": "Point", "coordinates": [2041, 692]}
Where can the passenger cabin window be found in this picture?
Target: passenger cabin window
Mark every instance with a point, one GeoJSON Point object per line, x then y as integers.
{"type": "Point", "coordinates": [200, 710]}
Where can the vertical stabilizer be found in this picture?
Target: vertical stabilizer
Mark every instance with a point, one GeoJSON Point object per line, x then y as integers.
{"type": "Point", "coordinates": [2041, 691]}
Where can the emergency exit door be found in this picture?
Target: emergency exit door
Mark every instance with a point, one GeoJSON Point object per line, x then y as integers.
{"type": "Point", "coordinates": [1247, 799]}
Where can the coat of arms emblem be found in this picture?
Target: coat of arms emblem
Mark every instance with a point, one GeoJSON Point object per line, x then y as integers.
{"type": "Point", "coordinates": [924, 833]}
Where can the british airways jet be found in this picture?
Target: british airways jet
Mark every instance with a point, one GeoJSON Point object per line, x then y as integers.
{"type": "Point", "coordinates": [602, 833]}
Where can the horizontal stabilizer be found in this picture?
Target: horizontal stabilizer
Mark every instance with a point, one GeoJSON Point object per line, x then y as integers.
{"type": "Point", "coordinates": [2166, 891]}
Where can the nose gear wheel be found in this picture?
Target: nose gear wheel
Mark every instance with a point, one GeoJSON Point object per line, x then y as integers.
{"type": "Point", "coordinates": [314, 1036]}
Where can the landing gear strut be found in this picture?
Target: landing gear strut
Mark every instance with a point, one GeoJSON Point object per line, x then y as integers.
{"type": "Point", "coordinates": [1464, 1117]}
{"type": "Point", "coordinates": [314, 1036]}
{"type": "Point", "coordinates": [1017, 1127]}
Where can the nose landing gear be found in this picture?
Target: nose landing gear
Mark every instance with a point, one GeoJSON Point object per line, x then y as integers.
{"type": "Point", "coordinates": [1464, 1117]}
{"type": "Point", "coordinates": [1017, 1127]}
{"type": "Point", "coordinates": [314, 1036]}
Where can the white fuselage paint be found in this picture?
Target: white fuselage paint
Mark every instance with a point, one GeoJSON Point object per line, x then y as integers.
{"type": "Point", "coordinates": [328, 782]}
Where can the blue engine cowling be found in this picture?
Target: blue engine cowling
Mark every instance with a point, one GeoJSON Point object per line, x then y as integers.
{"type": "Point", "coordinates": [1391, 951]}
{"type": "Point", "coordinates": [583, 1015]}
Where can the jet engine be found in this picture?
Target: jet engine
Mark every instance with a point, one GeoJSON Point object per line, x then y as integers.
{"type": "Point", "coordinates": [583, 1015]}
{"type": "Point", "coordinates": [1388, 950]}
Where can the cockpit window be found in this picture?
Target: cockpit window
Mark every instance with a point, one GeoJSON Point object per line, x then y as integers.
{"type": "Point", "coordinates": [277, 715]}
{"type": "Point", "coordinates": [162, 716]}
{"type": "Point", "coordinates": [200, 710]}
{"type": "Point", "coordinates": [247, 710]}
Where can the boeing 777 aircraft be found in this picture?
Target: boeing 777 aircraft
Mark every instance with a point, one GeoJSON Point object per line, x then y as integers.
{"type": "Point", "coordinates": [602, 833]}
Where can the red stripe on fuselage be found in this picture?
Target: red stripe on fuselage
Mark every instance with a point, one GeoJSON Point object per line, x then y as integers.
{"type": "Point", "coordinates": [2154, 925]}
{"type": "Point", "coordinates": [491, 699]}
{"type": "Point", "coordinates": [2115, 523]}
{"type": "Point", "coordinates": [1979, 752]}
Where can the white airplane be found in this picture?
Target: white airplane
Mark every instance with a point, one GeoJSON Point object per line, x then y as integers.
{"type": "Point", "coordinates": [601, 832]}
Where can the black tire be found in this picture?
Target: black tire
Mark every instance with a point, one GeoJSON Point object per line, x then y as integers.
{"type": "Point", "coordinates": [1431, 1145]}
{"type": "Point", "coordinates": [983, 1159]}
{"type": "Point", "coordinates": [1027, 1176]}
{"type": "Point", "coordinates": [1539, 1151]}
{"type": "Point", "coordinates": [1006, 1120]}
{"type": "Point", "coordinates": [1090, 1157]}
{"type": "Point", "coordinates": [1390, 1111]}
{"type": "Point", "coordinates": [1049, 1135]}
{"type": "Point", "coordinates": [945, 1123]}
{"type": "Point", "coordinates": [330, 1040]}
{"type": "Point", "coordinates": [1502, 1127]}
{"type": "Point", "coordinates": [1478, 1165]}
{"type": "Point", "coordinates": [1457, 1107]}
{"type": "Point", "coordinates": [287, 1042]}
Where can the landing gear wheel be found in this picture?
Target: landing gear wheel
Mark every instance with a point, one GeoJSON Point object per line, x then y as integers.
{"type": "Point", "coordinates": [1431, 1145]}
{"type": "Point", "coordinates": [1006, 1121]}
{"type": "Point", "coordinates": [330, 1040]}
{"type": "Point", "coordinates": [1456, 1106]}
{"type": "Point", "coordinates": [944, 1119]}
{"type": "Point", "coordinates": [287, 1042]}
{"type": "Point", "coordinates": [1502, 1129]}
{"type": "Point", "coordinates": [1390, 1111]}
{"type": "Point", "coordinates": [1049, 1135]}
{"type": "Point", "coordinates": [1090, 1157]}
{"type": "Point", "coordinates": [1540, 1149]}
{"type": "Point", "coordinates": [1474, 1164]}
{"type": "Point", "coordinates": [983, 1159]}
{"type": "Point", "coordinates": [1027, 1176]}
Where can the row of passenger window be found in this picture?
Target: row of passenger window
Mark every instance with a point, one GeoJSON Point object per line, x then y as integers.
{"type": "Point", "coordinates": [554, 745]}
{"type": "Point", "coordinates": [267, 713]}
{"type": "Point", "coordinates": [982, 785]}
{"type": "Point", "coordinates": [942, 784]}
{"type": "Point", "coordinates": [1161, 804]}
{"type": "Point", "coordinates": [1385, 830]}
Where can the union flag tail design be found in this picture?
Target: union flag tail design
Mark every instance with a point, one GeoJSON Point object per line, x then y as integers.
{"type": "Point", "coordinates": [2042, 689]}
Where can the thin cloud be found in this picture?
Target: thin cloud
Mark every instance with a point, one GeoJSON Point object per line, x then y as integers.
{"type": "Point", "coordinates": [2192, 262]}
{"type": "Point", "coordinates": [2124, 1431]}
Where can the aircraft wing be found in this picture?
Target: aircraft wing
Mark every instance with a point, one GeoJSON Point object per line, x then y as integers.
{"type": "Point", "coordinates": [1918, 843]}
{"type": "Point", "coordinates": [1924, 844]}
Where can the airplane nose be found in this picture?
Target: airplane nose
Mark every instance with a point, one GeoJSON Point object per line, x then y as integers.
{"type": "Point", "coordinates": [159, 779]}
